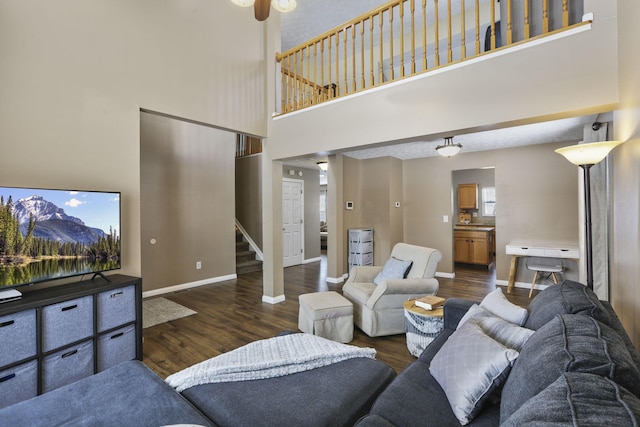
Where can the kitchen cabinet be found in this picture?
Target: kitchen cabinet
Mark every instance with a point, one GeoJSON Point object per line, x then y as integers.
{"type": "Point", "coordinates": [474, 246]}
{"type": "Point", "coordinates": [468, 196]}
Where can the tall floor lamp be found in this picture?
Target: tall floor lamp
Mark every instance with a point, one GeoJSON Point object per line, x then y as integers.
{"type": "Point", "coordinates": [585, 156]}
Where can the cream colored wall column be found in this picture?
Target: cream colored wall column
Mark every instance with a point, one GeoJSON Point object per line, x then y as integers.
{"type": "Point", "coordinates": [335, 209]}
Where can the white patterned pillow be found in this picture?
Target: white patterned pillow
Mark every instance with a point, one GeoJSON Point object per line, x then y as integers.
{"type": "Point", "coordinates": [506, 333]}
{"type": "Point", "coordinates": [394, 268]}
{"type": "Point", "coordinates": [469, 367]}
{"type": "Point", "coordinates": [499, 305]}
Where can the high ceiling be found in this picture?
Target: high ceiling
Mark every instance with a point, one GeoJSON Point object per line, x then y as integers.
{"type": "Point", "coordinates": [314, 17]}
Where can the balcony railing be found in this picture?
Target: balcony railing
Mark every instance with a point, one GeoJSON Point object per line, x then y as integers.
{"type": "Point", "coordinates": [407, 37]}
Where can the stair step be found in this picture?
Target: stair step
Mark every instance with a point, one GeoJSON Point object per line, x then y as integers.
{"type": "Point", "coordinates": [248, 267]}
{"type": "Point", "coordinates": [245, 256]}
{"type": "Point", "coordinates": [242, 246]}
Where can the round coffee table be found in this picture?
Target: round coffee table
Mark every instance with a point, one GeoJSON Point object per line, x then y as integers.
{"type": "Point", "coordinates": [421, 325]}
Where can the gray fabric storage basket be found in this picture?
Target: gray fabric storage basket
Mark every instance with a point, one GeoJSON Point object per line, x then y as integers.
{"type": "Point", "coordinates": [116, 347]}
{"type": "Point", "coordinates": [19, 331]}
{"type": "Point", "coordinates": [67, 322]}
{"type": "Point", "coordinates": [19, 383]}
{"type": "Point", "coordinates": [67, 366]}
{"type": "Point", "coordinates": [116, 307]}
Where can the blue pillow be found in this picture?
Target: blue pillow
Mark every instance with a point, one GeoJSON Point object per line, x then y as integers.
{"type": "Point", "coordinates": [394, 268]}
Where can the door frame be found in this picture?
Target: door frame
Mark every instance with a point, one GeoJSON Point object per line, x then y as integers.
{"type": "Point", "coordinates": [302, 225]}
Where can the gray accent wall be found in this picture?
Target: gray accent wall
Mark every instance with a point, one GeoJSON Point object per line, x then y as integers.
{"type": "Point", "coordinates": [249, 196]}
{"type": "Point", "coordinates": [186, 201]}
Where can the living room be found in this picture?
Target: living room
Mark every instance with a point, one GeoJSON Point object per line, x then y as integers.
{"type": "Point", "coordinates": [76, 76]}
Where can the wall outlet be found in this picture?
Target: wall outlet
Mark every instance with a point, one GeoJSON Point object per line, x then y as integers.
{"type": "Point", "coordinates": [445, 218]}
{"type": "Point", "coordinates": [198, 265]}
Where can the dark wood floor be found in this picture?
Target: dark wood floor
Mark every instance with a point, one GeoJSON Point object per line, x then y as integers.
{"type": "Point", "coordinates": [231, 314]}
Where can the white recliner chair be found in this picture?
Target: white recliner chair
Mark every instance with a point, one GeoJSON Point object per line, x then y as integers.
{"type": "Point", "coordinates": [377, 309]}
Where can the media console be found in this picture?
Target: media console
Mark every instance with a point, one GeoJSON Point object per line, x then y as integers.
{"type": "Point", "coordinates": [57, 335]}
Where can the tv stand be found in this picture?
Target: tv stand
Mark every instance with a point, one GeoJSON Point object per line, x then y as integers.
{"type": "Point", "coordinates": [101, 275]}
{"type": "Point", "coordinates": [10, 295]}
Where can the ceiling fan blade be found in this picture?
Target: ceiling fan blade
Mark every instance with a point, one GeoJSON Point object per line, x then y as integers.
{"type": "Point", "coordinates": [261, 9]}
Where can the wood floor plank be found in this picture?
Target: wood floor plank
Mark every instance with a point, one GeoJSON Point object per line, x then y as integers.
{"type": "Point", "coordinates": [231, 314]}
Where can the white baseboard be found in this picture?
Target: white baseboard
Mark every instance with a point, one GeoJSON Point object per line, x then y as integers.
{"type": "Point", "coordinates": [337, 279]}
{"type": "Point", "coordinates": [445, 275]}
{"type": "Point", "coordinates": [168, 289]}
{"type": "Point", "coordinates": [272, 300]}
{"type": "Point", "coordinates": [310, 260]}
{"type": "Point", "coordinates": [523, 285]}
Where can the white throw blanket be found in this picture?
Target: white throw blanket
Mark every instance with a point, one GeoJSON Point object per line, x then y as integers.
{"type": "Point", "coordinates": [268, 358]}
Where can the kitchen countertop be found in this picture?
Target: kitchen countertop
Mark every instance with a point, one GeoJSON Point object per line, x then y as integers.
{"type": "Point", "coordinates": [470, 227]}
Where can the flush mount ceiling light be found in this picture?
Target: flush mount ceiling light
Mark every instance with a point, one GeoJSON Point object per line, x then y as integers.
{"type": "Point", "coordinates": [261, 7]}
{"type": "Point", "coordinates": [449, 148]}
{"type": "Point", "coordinates": [323, 166]}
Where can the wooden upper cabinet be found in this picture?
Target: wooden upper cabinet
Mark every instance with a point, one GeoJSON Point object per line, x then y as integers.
{"type": "Point", "coordinates": [468, 196]}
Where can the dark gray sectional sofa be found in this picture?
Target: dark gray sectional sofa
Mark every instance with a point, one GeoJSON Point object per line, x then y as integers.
{"type": "Point", "coordinates": [578, 368]}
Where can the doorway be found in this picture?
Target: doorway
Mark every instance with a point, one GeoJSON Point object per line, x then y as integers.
{"type": "Point", "coordinates": [292, 224]}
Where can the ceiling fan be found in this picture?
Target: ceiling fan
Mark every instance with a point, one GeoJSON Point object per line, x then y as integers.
{"type": "Point", "coordinates": [261, 8]}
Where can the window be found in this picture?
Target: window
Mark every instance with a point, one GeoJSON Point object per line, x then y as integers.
{"type": "Point", "coordinates": [489, 201]}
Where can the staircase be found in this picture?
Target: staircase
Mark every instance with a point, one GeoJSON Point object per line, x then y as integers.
{"type": "Point", "coordinates": [246, 261]}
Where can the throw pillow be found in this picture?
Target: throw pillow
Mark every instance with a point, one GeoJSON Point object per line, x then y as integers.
{"type": "Point", "coordinates": [394, 268]}
{"type": "Point", "coordinates": [506, 333]}
{"type": "Point", "coordinates": [566, 298]}
{"type": "Point", "coordinates": [568, 343]}
{"type": "Point", "coordinates": [499, 305]}
{"type": "Point", "coordinates": [469, 367]}
{"type": "Point", "coordinates": [577, 399]}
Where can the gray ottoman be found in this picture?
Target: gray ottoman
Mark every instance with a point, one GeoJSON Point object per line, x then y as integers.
{"type": "Point", "coordinates": [326, 314]}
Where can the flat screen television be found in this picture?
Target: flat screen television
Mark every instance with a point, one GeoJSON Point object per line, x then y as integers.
{"type": "Point", "coordinates": [48, 234]}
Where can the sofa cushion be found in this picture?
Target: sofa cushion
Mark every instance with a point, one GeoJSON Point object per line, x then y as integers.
{"type": "Point", "coordinates": [506, 333]}
{"type": "Point", "coordinates": [496, 303]}
{"type": "Point", "coordinates": [566, 298]}
{"type": "Point", "coordinates": [415, 398]}
{"type": "Point", "coordinates": [394, 268]}
{"type": "Point", "coordinates": [568, 343]}
{"type": "Point", "coordinates": [578, 399]}
{"type": "Point", "coordinates": [335, 395]}
{"type": "Point", "coordinates": [469, 367]}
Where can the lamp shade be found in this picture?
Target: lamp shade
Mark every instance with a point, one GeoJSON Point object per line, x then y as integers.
{"type": "Point", "coordinates": [588, 154]}
{"type": "Point", "coordinates": [284, 5]}
{"type": "Point", "coordinates": [449, 148]}
{"type": "Point", "coordinates": [243, 3]}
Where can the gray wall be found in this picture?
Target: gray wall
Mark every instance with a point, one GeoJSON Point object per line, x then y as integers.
{"type": "Point", "coordinates": [187, 201]}
{"type": "Point", "coordinates": [249, 196]}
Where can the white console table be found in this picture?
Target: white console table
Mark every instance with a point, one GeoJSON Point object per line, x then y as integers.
{"type": "Point", "coordinates": [519, 248]}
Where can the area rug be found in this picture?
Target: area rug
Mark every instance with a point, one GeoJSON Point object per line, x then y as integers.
{"type": "Point", "coordinates": [160, 310]}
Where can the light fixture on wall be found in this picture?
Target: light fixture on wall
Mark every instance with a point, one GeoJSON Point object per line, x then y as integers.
{"type": "Point", "coordinates": [323, 166]}
{"type": "Point", "coordinates": [261, 7]}
{"type": "Point", "coordinates": [449, 148]}
{"type": "Point", "coordinates": [585, 156]}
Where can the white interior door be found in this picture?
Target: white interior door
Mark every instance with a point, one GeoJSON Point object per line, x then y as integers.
{"type": "Point", "coordinates": [292, 227]}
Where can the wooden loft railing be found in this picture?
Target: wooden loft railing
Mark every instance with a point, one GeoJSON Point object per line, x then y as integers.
{"type": "Point", "coordinates": [247, 145]}
{"type": "Point", "coordinates": [407, 37]}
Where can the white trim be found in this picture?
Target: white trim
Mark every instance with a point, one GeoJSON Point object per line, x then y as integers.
{"type": "Point", "coordinates": [175, 288]}
{"type": "Point", "coordinates": [310, 260]}
{"type": "Point", "coordinates": [302, 225]}
{"type": "Point", "coordinates": [337, 279]}
{"type": "Point", "coordinates": [445, 275]}
{"type": "Point", "coordinates": [252, 244]}
{"type": "Point", "coordinates": [523, 285]}
{"type": "Point", "coordinates": [484, 57]}
{"type": "Point", "coordinates": [272, 300]}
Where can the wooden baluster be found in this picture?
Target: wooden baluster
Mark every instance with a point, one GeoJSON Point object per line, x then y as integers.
{"type": "Point", "coordinates": [330, 65]}
{"type": "Point", "coordinates": [371, 64]}
{"type": "Point", "coordinates": [449, 47]}
{"type": "Point", "coordinates": [362, 77]}
{"type": "Point", "coordinates": [346, 79]}
{"type": "Point", "coordinates": [412, 7]}
{"type": "Point", "coordinates": [565, 13]}
{"type": "Point", "coordinates": [509, 26]}
{"type": "Point", "coordinates": [424, 35]}
{"type": "Point", "coordinates": [353, 58]}
{"type": "Point", "coordinates": [316, 93]}
{"type": "Point", "coordinates": [381, 25]}
{"type": "Point", "coordinates": [290, 98]}
{"type": "Point", "coordinates": [338, 60]}
{"type": "Point", "coordinates": [545, 16]}
{"type": "Point", "coordinates": [308, 77]}
{"type": "Point", "coordinates": [463, 30]}
{"type": "Point", "coordinates": [527, 20]}
{"type": "Point", "coordinates": [493, 25]}
{"type": "Point", "coordinates": [391, 71]}
{"type": "Point", "coordinates": [283, 82]}
{"type": "Point", "coordinates": [478, 50]}
{"type": "Point", "coordinates": [401, 11]}
{"type": "Point", "coordinates": [437, 35]}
